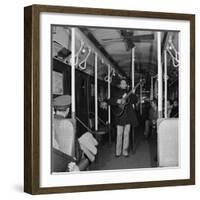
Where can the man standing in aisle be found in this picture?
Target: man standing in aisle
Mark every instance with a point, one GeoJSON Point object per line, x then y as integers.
{"type": "Point", "coordinates": [127, 119]}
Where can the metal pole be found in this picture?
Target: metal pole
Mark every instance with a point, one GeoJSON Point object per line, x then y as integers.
{"type": "Point", "coordinates": [159, 75]}
{"type": "Point", "coordinates": [140, 99]}
{"type": "Point", "coordinates": [73, 72]}
{"type": "Point", "coordinates": [73, 38]}
{"type": "Point", "coordinates": [133, 85]}
{"type": "Point", "coordinates": [133, 67]}
{"type": "Point", "coordinates": [109, 112]}
{"type": "Point", "coordinates": [96, 92]}
{"type": "Point", "coordinates": [165, 68]}
{"type": "Point", "coordinates": [151, 95]}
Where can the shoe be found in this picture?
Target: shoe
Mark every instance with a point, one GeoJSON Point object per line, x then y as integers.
{"type": "Point", "coordinates": [125, 154]}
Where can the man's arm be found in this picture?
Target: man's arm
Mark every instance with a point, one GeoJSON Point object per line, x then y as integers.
{"type": "Point", "coordinates": [134, 100]}
{"type": "Point", "coordinates": [114, 100]}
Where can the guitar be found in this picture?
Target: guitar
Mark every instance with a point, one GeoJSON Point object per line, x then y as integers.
{"type": "Point", "coordinates": [120, 108]}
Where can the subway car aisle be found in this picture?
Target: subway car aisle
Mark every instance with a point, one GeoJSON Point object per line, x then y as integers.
{"type": "Point", "coordinates": [141, 156]}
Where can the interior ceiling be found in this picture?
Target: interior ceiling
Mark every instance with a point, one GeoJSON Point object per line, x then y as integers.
{"type": "Point", "coordinates": [118, 45]}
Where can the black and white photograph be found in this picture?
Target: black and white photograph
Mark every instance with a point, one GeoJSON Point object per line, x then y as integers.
{"type": "Point", "coordinates": [114, 98]}
{"type": "Point", "coordinates": [109, 99]}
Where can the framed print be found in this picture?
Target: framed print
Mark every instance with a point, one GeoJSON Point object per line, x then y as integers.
{"type": "Point", "coordinates": [109, 99]}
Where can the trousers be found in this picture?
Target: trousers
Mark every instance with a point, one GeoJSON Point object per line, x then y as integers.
{"type": "Point", "coordinates": [122, 143]}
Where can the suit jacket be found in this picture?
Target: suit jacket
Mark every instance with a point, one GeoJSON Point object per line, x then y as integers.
{"type": "Point", "coordinates": [129, 116]}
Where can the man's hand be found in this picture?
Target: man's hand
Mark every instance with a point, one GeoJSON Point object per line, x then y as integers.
{"type": "Point", "coordinates": [121, 101]}
{"type": "Point", "coordinates": [73, 167]}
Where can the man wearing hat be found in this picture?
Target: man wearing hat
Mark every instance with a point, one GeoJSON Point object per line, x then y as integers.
{"type": "Point", "coordinates": [61, 105]}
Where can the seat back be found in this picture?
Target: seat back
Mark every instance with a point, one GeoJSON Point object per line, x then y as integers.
{"type": "Point", "coordinates": [64, 135]}
{"type": "Point", "coordinates": [167, 130]}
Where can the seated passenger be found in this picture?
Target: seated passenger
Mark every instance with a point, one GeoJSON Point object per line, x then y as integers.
{"type": "Point", "coordinates": [62, 162]}
{"type": "Point", "coordinates": [152, 118]}
{"type": "Point", "coordinates": [169, 108]}
{"type": "Point", "coordinates": [174, 111]}
{"type": "Point", "coordinates": [61, 106]}
{"type": "Point", "coordinates": [62, 158]}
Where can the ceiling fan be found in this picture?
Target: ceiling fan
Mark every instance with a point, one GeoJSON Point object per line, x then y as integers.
{"type": "Point", "coordinates": [130, 39]}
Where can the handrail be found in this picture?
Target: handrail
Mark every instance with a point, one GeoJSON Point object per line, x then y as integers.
{"type": "Point", "coordinates": [101, 120]}
{"type": "Point", "coordinates": [82, 123]}
{"type": "Point", "coordinates": [88, 129]}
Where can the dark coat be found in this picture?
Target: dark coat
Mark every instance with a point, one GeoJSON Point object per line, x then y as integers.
{"type": "Point", "coordinates": [129, 115]}
{"type": "Point", "coordinates": [174, 111]}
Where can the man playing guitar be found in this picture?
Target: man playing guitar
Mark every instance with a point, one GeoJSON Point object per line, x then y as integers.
{"type": "Point", "coordinates": [125, 116]}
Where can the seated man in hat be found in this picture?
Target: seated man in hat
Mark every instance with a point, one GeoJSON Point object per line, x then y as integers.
{"type": "Point", "coordinates": [62, 106]}
{"type": "Point", "coordinates": [63, 150]}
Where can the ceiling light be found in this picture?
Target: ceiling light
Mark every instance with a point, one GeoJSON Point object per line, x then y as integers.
{"type": "Point", "coordinates": [83, 50]}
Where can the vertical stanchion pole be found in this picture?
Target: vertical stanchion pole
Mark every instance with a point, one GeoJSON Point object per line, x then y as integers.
{"type": "Point", "coordinates": [133, 85]}
{"type": "Point", "coordinates": [133, 67]}
{"type": "Point", "coordinates": [96, 92]}
{"type": "Point", "coordinates": [73, 72]}
{"type": "Point", "coordinates": [140, 99]}
{"type": "Point", "coordinates": [151, 94]}
{"type": "Point", "coordinates": [109, 112]}
{"type": "Point", "coordinates": [160, 89]}
{"type": "Point", "coordinates": [165, 67]}
{"type": "Point", "coordinates": [73, 37]}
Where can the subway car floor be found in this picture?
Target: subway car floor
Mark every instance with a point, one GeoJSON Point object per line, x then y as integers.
{"type": "Point", "coordinates": [141, 155]}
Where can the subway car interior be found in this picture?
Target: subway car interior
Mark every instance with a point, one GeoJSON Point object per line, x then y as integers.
{"type": "Point", "coordinates": [89, 65]}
